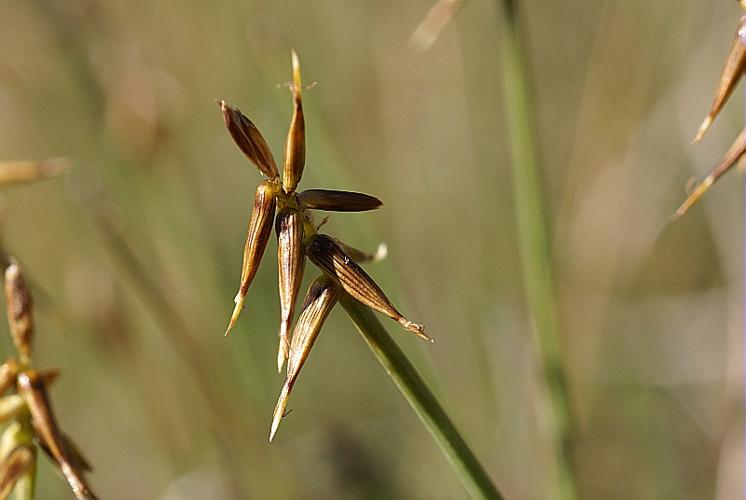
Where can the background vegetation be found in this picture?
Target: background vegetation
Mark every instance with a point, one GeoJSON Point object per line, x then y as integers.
{"type": "Point", "coordinates": [136, 253]}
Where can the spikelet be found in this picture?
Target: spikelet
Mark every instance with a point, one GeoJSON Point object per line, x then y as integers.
{"type": "Point", "coordinates": [20, 461]}
{"type": "Point", "coordinates": [320, 299]}
{"type": "Point", "coordinates": [249, 140]}
{"type": "Point", "coordinates": [338, 201]}
{"type": "Point", "coordinates": [18, 300]}
{"type": "Point", "coordinates": [329, 256]}
{"type": "Point", "coordinates": [31, 388]}
{"type": "Point", "coordinates": [291, 261]}
{"type": "Point", "coordinates": [734, 153]}
{"type": "Point", "coordinates": [295, 146]}
{"type": "Point", "coordinates": [260, 229]}
{"type": "Point", "coordinates": [734, 68]}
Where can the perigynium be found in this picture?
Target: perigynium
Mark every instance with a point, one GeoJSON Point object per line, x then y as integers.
{"type": "Point", "coordinates": [278, 202]}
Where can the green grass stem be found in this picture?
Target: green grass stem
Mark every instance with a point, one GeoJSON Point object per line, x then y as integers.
{"type": "Point", "coordinates": [470, 471]}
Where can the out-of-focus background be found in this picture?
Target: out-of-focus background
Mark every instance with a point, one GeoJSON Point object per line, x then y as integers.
{"type": "Point", "coordinates": [135, 254]}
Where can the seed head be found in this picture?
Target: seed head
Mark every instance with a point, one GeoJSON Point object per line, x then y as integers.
{"type": "Point", "coordinates": [297, 238]}
{"type": "Point", "coordinates": [18, 301]}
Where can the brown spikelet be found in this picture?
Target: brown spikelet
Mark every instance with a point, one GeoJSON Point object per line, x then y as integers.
{"type": "Point", "coordinates": [8, 373]}
{"type": "Point", "coordinates": [295, 146]}
{"type": "Point", "coordinates": [31, 388]}
{"type": "Point", "coordinates": [329, 256]}
{"type": "Point", "coordinates": [734, 153]}
{"type": "Point", "coordinates": [734, 68]}
{"type": "Point", "coordinates": [18, 462]}
{"type": "Point", "coordinates": [18, 300]}
{"type": "Point", "coordinates": [249, 140]}
{"type": "Point", "coordinates": [290, 259]}
{"type": "Point", "coordinates": [338, 201]}
{"type": "Point", "coordinates": [320, 299]}
{"type": "Point", "coordinates": [260, 229]}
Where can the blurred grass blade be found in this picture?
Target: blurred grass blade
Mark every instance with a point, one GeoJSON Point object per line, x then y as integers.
{"type": "Point", "coordinates": [436, 19]}
{"type": "Point", "coordinates": [468, 468]}
{"type": "Point", "coordinates": [533, 243]}
{"type": "Point", "coordinates": [19, 172]}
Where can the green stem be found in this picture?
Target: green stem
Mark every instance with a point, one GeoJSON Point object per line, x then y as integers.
{"type": "Point", "coordinates": [405, 376]}
{"type": "Point", "coordinates": [534, 243]}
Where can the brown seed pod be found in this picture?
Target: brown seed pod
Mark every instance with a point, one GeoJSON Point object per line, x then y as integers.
{"type": "Point", "coordinates": [18, 462]}
{"type": "Point", "coordinates": [734, 68]}
{"type": "Point", "coordinates": [18, 300]}
{"type": "Point", "coordinates": [295, 146]}
{"type": "Point", "coordinates": [290, 259]}
{"type": "Point", "coordinates": [329, 256]}
{"type": "Point", "coordinates": [260, 228]}
{"type": "Point", "coordinates": [31, 387]}
{"type": "Point", "coordinates": [338, 201]}
{"type": "Point", "coordinates": [249, 140]}
{"type": "Point", "coordinates": [320, 299]}
{"type": "Point", "coordinates": [734, 153]}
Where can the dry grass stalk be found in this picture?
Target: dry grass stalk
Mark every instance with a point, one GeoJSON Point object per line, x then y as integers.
{"type": "Point", "coordinates": [29, 408]}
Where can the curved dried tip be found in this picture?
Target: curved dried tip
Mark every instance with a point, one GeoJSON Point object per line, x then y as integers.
{"type": "Point", "coordinates": [249, 140]}
{"type": "Point", "coordinates": [19, 461]}
{"type": "Point", "coordinates": [338, 201]}
{"type": "Point", "coordinates": [18, 301]}
{"type": "Point", "coordinates": [362, 256]}
{"type": "Point", "coordinates": [734, 68]}
{"type": "Point", "coordinates": [329, 256]}
{"type": "Point", "coordinates": [290, 260]}
{"type": "Point", "coordinates": [32, 388]}
{"type": "Point", "coordinates": [295, 146]}
{"type": "Point", "coordinates": [320, 300]}
{"type": "Point", "coordinates": [430, 28]}
{"type": "Point", "coordinates": [260, 229]}
{"type": "Point", "coordinates": [734, 153]}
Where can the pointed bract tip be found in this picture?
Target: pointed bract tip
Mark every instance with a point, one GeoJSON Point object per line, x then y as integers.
{"type": "Point", "coordinates": [694, 196]}
{"type": "Point", "coordinates": [296, 71]}
{"type": "Point", "coordinates": [415, 328]}
{"type": "Point", "coordinates": [282, 402]}
{"type": "Point", "coordinates": [236, 313]}
{"type": "Point", "coordinates": [702, 129]}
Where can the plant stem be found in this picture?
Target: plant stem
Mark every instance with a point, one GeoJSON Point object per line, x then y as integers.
{"type": "Point", "coordinates": [405, 376]}
{"type": "Point", "coordinates": [533, 242]}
